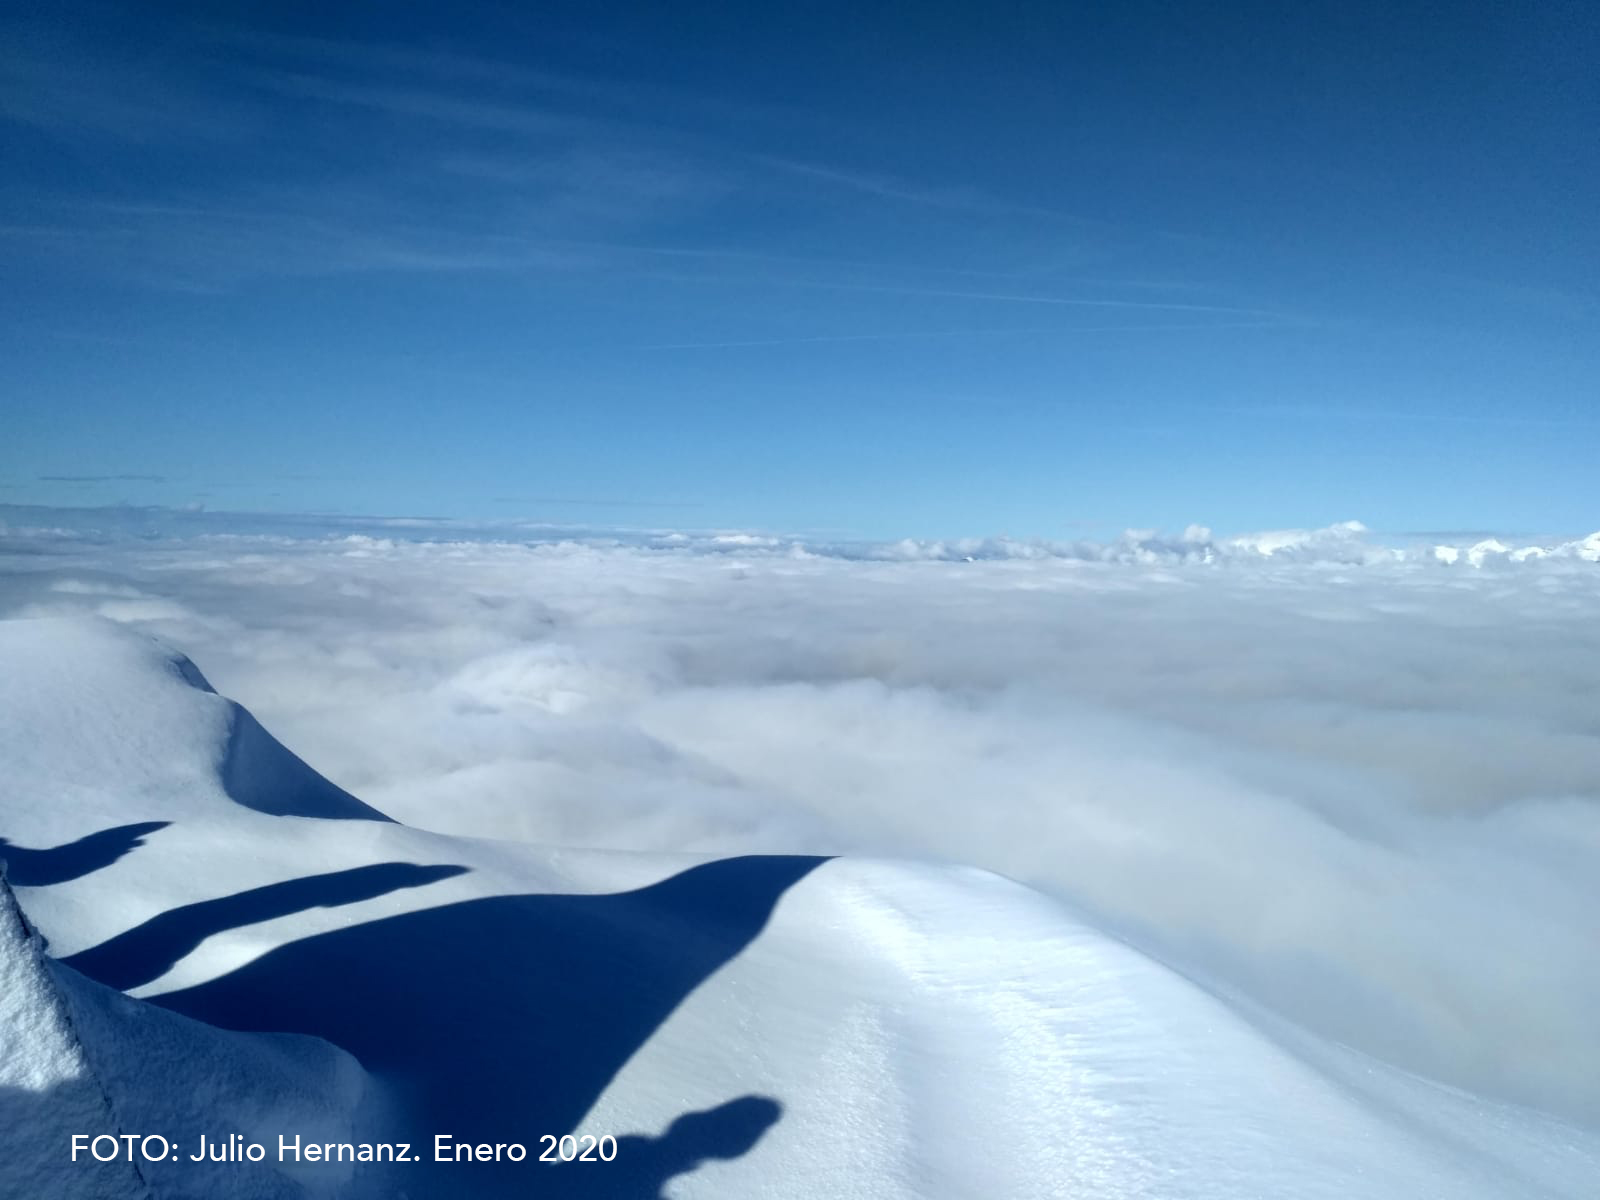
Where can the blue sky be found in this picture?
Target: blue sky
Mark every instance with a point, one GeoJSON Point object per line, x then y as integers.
{"type": "Point", "coordinates": [1035, 269]}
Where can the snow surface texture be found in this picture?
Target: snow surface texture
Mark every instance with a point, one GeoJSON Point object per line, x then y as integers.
{"type": "Point", "coordinates": [82, 1058]}
{"type": "Point", "coordinates": [47, 1091]}
{"type": "Point", "coordinates": [1173, 753]}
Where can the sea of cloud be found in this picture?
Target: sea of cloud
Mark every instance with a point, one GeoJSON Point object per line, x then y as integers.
{"type": "Point", "coordinates": [1356, 783]}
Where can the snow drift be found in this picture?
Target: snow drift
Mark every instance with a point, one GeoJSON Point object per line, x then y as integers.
{"type": "Point", "coordinates": [745, 1026]}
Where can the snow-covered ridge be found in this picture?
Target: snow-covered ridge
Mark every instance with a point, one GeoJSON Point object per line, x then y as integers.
{"type": "Point", "coordinates": [753, 1026]}
{"type": "Point", "coordinates": [1346, 543]}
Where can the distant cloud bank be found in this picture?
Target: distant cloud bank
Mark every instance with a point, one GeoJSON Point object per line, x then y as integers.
{"type": "Point", "coordinates": [1348, 542]}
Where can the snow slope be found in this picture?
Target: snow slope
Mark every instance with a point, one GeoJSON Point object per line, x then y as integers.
{"type": "Point", "coordinates": [47, 1090]}
{"type": "Point", "coordinates": [746, 1027]}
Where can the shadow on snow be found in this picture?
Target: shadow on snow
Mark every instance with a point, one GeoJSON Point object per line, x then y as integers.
{"type": "Point", "coordinates": [503, 1018]}
{"type": "Point", "coordinates": [644, 1165]}
{"type": "Point", "coordinates": [61, 864]}
{"type": "Point", "coordinates": [260, 772]}
{"type": "Point", "coordinates": [150, 950]}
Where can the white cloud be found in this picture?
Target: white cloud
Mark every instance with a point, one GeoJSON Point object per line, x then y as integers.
{"type": "Point", "coordinates": [1338, 776]}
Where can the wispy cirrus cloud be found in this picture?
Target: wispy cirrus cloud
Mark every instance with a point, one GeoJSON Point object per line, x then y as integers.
{"type": "Point", "coordinates": [85, 87]}
{"type": "Point", "coordinates": [955, 198]}
{"type": "Point", "coordinates": [938, 334]}
{"type": "Point", "coordinates": [449, 172]}
{"type": "Point", "coordinates": [1400, 415]}
{"type": "Point", "coordinates": [101, 478]}
{"type": "Point", "coordinates": [451, 162]}
{"type": "Point", "coordinates": [1027, 298]}
{"type": "Point", "coordinates": [433, 104]}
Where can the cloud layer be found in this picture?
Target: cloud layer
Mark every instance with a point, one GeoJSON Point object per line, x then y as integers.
{"type": "Point", "coordinates": [1357, 782]}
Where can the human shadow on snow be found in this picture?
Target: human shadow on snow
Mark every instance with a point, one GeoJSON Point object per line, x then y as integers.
{"type": "Point", "coordinates": [644, 1165]}
{"type": "Point", "coordinates": [504, 1018]}
{"type": "Point", "coordinates": [61, 864]}
{"type": "Point", "coordinates": [149, 951]}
